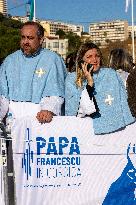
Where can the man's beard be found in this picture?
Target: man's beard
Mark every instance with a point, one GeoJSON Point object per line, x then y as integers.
{"type": "Point", "coordinates": [27, 50]}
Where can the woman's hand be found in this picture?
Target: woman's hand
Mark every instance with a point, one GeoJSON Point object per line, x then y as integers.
{"type": "Point", "coordinates": [87, 73]}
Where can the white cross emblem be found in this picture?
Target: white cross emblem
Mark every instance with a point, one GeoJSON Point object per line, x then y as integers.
{"type": "Point", "coordinates": [40, 72]}
{"type": "Point", "coordinates": [109, 100]}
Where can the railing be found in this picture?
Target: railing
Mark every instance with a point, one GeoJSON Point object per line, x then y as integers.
{"type": "Point", "coordinates": [7, 176]}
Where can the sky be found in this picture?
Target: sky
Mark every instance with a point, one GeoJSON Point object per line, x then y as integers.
{"type": "Point", "coordinates": [76, 11]}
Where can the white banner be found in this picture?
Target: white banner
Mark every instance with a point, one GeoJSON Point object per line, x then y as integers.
{"type": "Point", "coordinates": [64, 163]}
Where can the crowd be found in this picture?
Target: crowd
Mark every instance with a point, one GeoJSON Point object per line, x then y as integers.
{"type": "Point", "coordinates": [38, 82]}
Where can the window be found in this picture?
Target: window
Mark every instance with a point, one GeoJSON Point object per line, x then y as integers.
{"type": "Point", "coordinates": [62, 46]}
{"type": "Point", "coordinates": [55, 44]}
{"type": "Point", "coordinates": [49, 46]}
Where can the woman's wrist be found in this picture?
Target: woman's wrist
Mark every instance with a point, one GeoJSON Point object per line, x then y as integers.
{"type": "Point", "coordinates": [90, 83]}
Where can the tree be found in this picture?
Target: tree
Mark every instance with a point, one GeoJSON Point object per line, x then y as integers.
{"type": "Point", "coordinates": [9, 36]}
{"type": "Point", "coordinates": [1, 17]}
{"type": "Point", "coordinates": [61, 34]}
{"type": "Point", "coordinates": [74, 42]}
{"type": "Point", "coordinates": [84, 33]}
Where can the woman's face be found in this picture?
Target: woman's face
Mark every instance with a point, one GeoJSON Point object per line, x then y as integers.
{"type": "Point", "coordinates": [92, 57]}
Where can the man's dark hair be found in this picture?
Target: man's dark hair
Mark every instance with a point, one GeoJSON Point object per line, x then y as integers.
{"type": "Point", "coordinates": [40, 29]}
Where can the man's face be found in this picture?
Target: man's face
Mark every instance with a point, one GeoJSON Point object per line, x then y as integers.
{"type": "Point", "coordinates": [30, 41]}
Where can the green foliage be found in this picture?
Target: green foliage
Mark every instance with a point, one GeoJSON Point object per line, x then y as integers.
{"type": "Point", "coordinates": [1, 17]}
{"type": "Point", "coordinates": [84, 33]}
{"type": "Point", "coordinates": [61, 34]}
{"type": "Point", "coordinates": [9, 36]}
{"type": "Point", "coordinates": [74, 42]}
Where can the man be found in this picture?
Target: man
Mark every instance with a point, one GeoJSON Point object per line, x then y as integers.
{"type": "Point", "coordinates": [32, 76]}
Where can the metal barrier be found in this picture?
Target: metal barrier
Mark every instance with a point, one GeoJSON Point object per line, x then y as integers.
{"type": "Point", "coordinates": [7, 172]}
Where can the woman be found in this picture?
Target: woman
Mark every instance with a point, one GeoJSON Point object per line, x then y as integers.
{"type": "Point", "coordinates": [105, 90]}
{"type": "Point", "coordinates": [122, 62]}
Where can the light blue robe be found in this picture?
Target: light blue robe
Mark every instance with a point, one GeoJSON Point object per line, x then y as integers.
{"type": "Point", "coordinates": [106, 82]}
{"type": "Point", "coordinates": [20, 81]}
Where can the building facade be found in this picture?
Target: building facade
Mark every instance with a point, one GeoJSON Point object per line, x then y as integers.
{"type": "Point", "coordinates": [3, 7]}
{"type": "Point", "coordinates": [52, 27]}
{"type": "Point", "coordinates": [103, 32]}
{"type": "Point", "coordinates": [23, 19]}
{"type": "Point", "coordinates": [130, 31]}
{"type": "Point", "coordinates": [57, 45]}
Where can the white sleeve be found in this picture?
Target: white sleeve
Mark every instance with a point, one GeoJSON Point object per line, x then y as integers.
{"type": "Point", "coordinates": [4, 105]}
{"type": "Point", "coordinates": [86, 106]}
{"type": "Point", "coordinates": [52, 103]}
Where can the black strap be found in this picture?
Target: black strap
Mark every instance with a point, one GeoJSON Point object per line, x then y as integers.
{"type": "Point", "coordinates": [91, 91]}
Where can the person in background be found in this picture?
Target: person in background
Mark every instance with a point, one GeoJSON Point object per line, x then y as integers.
{"type": "Point", "coordinates": [131, 90]}
{"type": "Point", "coordinates": [102, 86]}
{"type": "Point", "coordinates": [122, 62]}
{"type": "Point", "coordinates": [71, 62]}
{"type": "Point", "coordinates": [32, 78]}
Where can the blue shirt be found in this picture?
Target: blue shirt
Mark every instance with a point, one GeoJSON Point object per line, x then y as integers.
{"type": "Point", "coordinates": [29, 79]}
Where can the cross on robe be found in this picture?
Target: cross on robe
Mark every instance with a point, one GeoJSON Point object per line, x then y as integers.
{"type": "Point", "coordinates": [109, 100]}
{"type": "Point", "coordinates": [40, 72]}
